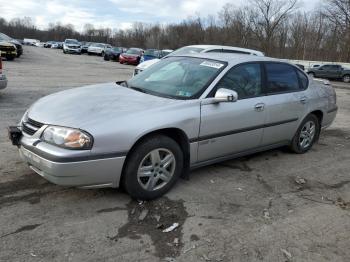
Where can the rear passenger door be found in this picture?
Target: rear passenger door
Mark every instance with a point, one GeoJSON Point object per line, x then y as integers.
{"type": "Point", "coordinates": [286, 102]}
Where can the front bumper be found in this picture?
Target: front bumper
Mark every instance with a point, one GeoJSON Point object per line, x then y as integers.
{"type": "Point", "coordinates": [63, 169]}
{"type": "Point", "coordinates": [3, 81]}
{"type": "Point", "coordinates": [72, 50]}
{"type": "Point", "coordinates": [6, 53]}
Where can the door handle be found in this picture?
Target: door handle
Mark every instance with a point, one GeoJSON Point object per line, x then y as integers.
{"type": "Point", "coordinates": [303, 100]}
{"type": "Point", "coordinates": [259, 107]}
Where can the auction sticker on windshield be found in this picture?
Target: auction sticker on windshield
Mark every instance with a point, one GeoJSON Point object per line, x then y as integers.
{"type": "Point", "coordinates": [212, 64]}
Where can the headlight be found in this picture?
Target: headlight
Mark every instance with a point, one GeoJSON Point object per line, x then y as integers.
{"type": "Point", "coordinates": [67, 137]}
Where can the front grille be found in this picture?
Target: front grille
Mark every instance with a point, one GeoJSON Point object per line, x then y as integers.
{"type": "Point", "coordinates": [30, 126]}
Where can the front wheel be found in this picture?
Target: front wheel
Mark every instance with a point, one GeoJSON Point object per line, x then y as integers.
{"type": "Point", "coordinates": [306, 135]}
{"type": "Point", "coordinates": [346, 79]}
{"type": "Point", "coordinates": [153, 168]}
{"type": "Point", "coordinates": [106, 58]}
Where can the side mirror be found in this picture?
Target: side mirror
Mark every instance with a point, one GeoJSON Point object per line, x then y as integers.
{"type": "Point", "coordinates": [225, 95]}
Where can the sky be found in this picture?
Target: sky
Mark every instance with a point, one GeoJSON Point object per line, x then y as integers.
{"type": "Point", "coordinates": [115, 13]}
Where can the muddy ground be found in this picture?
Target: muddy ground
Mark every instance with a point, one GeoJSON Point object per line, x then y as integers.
{"type": "Point", "coordinates": [272, 206]}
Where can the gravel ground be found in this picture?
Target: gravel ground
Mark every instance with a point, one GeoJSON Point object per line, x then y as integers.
{"type": "Point", "coordinates": [256, 208]}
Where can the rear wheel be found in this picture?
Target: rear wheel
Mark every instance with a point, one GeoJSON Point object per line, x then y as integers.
{"type": "Point", "coordinates": [153, 168]}
{"type": "Point", "coordinates": [10, 58]}
{"type": "Point", "coordinates": [306, 135]}
{"type": "Point", "coordinates": [346, 79]}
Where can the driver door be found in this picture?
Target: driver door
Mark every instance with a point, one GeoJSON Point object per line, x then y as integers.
{"type": "Point", "coordinates": [232, 127]}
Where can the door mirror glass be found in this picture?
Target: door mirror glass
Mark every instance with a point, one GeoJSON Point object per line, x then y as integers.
{"type": "Point", "coordinates": [225, 95]}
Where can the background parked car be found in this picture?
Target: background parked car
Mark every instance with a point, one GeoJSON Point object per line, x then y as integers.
{"type": "Point", "coordinates": [85, 46]}
{"type": "Point", "coordinates": [54, 45]}
{"type": "Point", "coordinates": [96, 49]}
{"type": "Point", "coordinates": [8, 50]}
{"type": "Point", "coordinates": [18, 45]}
{"type": "Point", "coordinates": [3, 79]}
{"type": "Point", "coordinates": [113, 53]}
{"type": "Point", "coordinates": [132, 56]}
{"type": "Point", "coordinates": [71, 46]}
{"type": "Point", "coordinates": [331, 72]}
{"type": "Point", "coordinates": [194, 49]}
{"type": "Point", "coordinates": [48, 44]}
{"type": "Point", "coordinates": [150, 54]}
{"type": "Point", "coordinates": [60, 45]}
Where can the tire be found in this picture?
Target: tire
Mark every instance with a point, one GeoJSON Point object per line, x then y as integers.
{"type": "Point", "coordinates": [311, 74]}
{"type": "Point", "coordinates": [346, 79]}
{"type": "Point", "coordinates": [105, 57]}
{"type": "Point", "coordinates": [10, 58]}
{"type": "Point", "coordinates": [305, 134]}
{"type": "Point", "coordinates": [168, 151]}
{"type": "Point", "coordinates": [89, 53]}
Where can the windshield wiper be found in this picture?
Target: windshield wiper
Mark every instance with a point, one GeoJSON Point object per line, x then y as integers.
{"type": "Point", "coordinates": [138, 89]}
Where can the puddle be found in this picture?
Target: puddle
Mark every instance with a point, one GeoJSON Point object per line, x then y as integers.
{"type": "Point", "coordinates": [151, 218]}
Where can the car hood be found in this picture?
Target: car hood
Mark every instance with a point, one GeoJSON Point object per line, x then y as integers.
{"type": "Point", "coordinates": [130, 55]}
{"type": "Point", "coordinates": [88, 106]}
{"type": "Point", "coordinates": [14, 41]}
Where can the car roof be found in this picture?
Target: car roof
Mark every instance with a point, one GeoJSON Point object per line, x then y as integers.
{"type": "Point", "coordinates": [232, 58]}
{"type": "Point", "coordinates": [233, 48]}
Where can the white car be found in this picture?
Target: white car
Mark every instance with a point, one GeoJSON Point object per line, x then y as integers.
{"type": "Point", "coordinates": [96, 49]}
{"type": "Point", "coordinates": [71, 46]}
{"type": "Point", "coordinates": [194, 49]}
{"type": "Point", "coordinates": [54, 45]}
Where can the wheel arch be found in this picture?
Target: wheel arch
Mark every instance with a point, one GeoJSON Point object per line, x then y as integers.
{"type": "Point", "coordinates": [319, 115]}
{"type": "Point", "coordinates": [178, 135]}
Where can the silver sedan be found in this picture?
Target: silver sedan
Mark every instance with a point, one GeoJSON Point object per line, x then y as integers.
{"type": "Point", "coordinates": [182, 113]}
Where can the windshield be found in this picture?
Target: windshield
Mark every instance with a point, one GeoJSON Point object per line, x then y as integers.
{"type": "Point", "coordinates": [133, 51]}
{"type": "Point", "coordinates": [177, 77]}
{"type": "Point", "coordinates": [187, 50]}
{"type": "Point", "coordinates": [71, 41]}
{"type": "Point", "coordinates": [152, 52]}
{"type": "Point", "coordinates": [97, 45]}
{"type": "Point", "coordinates": [5, 37]}
{"type": "Point", "coordinates": [117, 49]}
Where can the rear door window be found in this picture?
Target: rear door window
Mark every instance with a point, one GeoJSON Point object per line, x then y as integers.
{"type": "Point", "coordinates": [281, 78]}
{"type": "Point", "coordinates": [304, 80]}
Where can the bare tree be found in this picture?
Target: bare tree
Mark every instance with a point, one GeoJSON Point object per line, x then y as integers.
{"type": "Point", "coordinates": [338, 12]}
{"type": "Point", "coordinates": [267, 16]}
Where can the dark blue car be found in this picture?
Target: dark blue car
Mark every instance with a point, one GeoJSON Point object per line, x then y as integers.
{"type": "Point", "coordinates": [153, 54]}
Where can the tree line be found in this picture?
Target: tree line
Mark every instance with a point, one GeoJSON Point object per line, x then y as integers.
{"type": "Point", "coordinates": [277, 27]}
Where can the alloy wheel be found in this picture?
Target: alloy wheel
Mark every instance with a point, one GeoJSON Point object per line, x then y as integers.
{"type": "Point", "coordinates": [156, 169]}
{"type": "Point", "coordinates": [307, 134]}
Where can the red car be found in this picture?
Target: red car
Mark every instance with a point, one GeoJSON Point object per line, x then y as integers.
{"type": "Point", "coordinates": [132, 56]}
